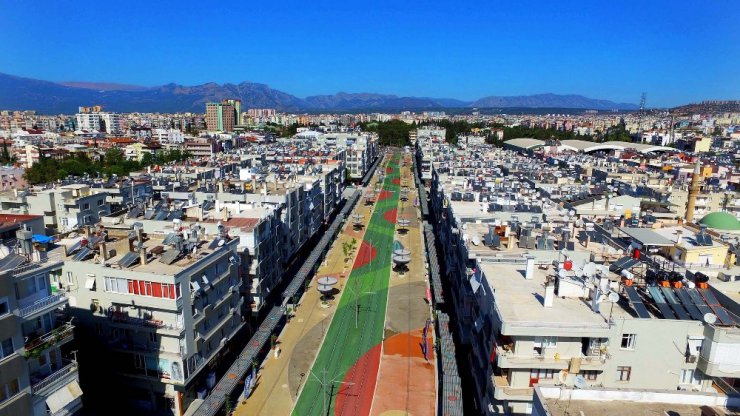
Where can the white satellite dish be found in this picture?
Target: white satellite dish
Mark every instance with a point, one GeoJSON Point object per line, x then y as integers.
{"type": "Point", "coordinates": [710, 318]}
{"type": "Point", "coordinates": [476, 240]}
{"type": "Point", "coordinates": [562, 274]}
{"type": "Point", "coordinates": [613, 297]}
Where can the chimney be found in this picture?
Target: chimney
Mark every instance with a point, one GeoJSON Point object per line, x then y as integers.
{"type": "Point", "coordinates": [529, 271]}
{"type": "Point", "coordinates": [549, 295]}
{"type": "Point", "coordinates": [200, 213]}
{"type": "Point", "coordinates": [142, 255]}
{"type": "Point", "coordinates": [225, 213]}
{"type": "Point", "coordinates": [678, 236]}
{"type": "Point", "coordinates": [103, 249]}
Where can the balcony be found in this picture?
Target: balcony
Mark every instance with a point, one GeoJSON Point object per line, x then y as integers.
{"type": "Point", "coordinates": [503, 391]}
{"type": "Point", "coordinates": [54, 380]}
{"type": "Point", "coordinates": [508, 359]}
{"type": "Point", "coordinates": [122, 319]}
{"type": "Point", "coordinates": [43, 305]}
{"type": "Point", "coordinates": [720, 352]}
{"type": "Point", "coordinates": [51, 339]}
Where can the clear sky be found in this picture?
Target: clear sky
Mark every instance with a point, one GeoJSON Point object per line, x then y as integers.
{"type": "Point", "coordinates": [677, 51]}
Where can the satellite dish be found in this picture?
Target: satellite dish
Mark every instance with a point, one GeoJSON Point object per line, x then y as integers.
{"type": "Point", "coordinates": [710, 318]}
{"type": "Point", "coordinates": [561, 273]}
{"type": "Point", "coordinates": [580, 382]}
{"type": "Point", "coordinates": [221, 242]}
{"type": "Point", "coordinates": [613, 297]}
{"type": "Point", "coordinates": [476, 240]}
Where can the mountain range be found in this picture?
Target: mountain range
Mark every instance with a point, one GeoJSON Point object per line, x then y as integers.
{"type": "Point", "coordinates": [18, 93]}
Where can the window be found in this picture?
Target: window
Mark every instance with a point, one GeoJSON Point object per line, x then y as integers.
{"type": "Point", "coordinates": [6, 348]}
{"type": "Point", "coordinates": [100, 202]}
{"type": "Point", "coordinates": [542, 374]}
{"type": "Point", "coordinates": [624, 373]}
{"type": "Point", "coordinates": [590, 374]}
{"type": "Point", "coordinates": [690, 376]}
{"type": "Point", "coordinates": [69, 277]}
{"type": "Point", "coordinates": [153, 336]}
{"type": "Point", "coordinates": [4, 306]}
{"type": "Point", "coordinates": [628, 341]}
{"type": "Point", "coordinates": [540, 343]}
{"type": "Point", "coordinates": [139, 361]}
{"type": "Point", "coordinates": [9, 390]}
{"type": "Point", "coordinates": [86, 206]}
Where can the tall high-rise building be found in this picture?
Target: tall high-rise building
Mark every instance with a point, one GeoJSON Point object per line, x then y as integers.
{"type": "Point", "coordinates": [220, 116]}
{"type": "Point", "coordinates": [237, 104]}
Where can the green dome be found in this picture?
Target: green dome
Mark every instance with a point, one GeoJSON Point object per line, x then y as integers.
{"type": "Point", "coordinates": [721, 221]}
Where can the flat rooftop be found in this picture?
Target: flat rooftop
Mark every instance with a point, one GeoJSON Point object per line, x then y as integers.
{"type": "Point", "coordinates": [520, 300]}
{"type": "Point", "coordinates": [154, 244]}
{"type": "Point", "coordinates": [563, 401]}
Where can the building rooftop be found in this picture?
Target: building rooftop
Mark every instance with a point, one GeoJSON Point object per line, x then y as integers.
{"type": "Point", "coordinates": [559, 401]}
{"type": "Point", "coordinates": [163, 256]}
{"type": "Point", "coordinates": [521, 300]}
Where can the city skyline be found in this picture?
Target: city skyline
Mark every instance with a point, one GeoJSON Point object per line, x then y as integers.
{"type": "Point", "coordinates": [612, 52]}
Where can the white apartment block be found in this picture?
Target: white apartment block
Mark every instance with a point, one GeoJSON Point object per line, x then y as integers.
{"type": "Point", "coordinates": [162, 307]}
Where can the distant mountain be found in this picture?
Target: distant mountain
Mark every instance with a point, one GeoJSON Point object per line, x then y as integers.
{"type": "Point", "coordinates": [17, 93]}
{"type": "Point", "coordinates": [346, 101]}
{"type": "Point", "coordinates": [103, 86]}
{"type": "Point", "coordinates": [551, 101]}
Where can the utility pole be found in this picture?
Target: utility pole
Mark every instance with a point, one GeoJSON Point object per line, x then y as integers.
{"type": "Point", "coordinates": [324, 383]}
{"type": "Point", "coordinates": [643, 97]}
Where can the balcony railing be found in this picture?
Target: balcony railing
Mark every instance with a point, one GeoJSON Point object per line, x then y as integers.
{"type": "Point", "coordinates": [36, 346]}
{"type": "Point", "coordinates": [54, 377]}
{"type": "Point", "coordinates": [122, 317]}
{"type": "Point", "coordinates": [44, 303]}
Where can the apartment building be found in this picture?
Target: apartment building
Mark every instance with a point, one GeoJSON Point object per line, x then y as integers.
{"type": "Point", "coordinates": [220, 117]}
{"type": "Point", "coordinates": [541, 297]}
{"type": "Point", "coordinates": [360, 150]}
{"type": "Point", "coordinates": [64, 207]}
{"type": "Point", "coordinates": [105, 122]}
{"type": "Point", "coordinates": [159, 310]}
{"type": "Point", "coordinates": [38, 372]}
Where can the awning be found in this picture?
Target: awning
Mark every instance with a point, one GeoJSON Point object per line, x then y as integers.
{"type": "Point", "coordinates": [90, 283]}
{"type": "Point", "coordinates": [64, 396]}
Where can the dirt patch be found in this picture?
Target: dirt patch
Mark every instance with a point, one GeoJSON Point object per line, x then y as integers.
{"type": "Point", "coordinates": [303, 356]}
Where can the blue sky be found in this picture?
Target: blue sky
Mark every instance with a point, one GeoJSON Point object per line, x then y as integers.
{"type": "Point", "coordinates": [677, 51]}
